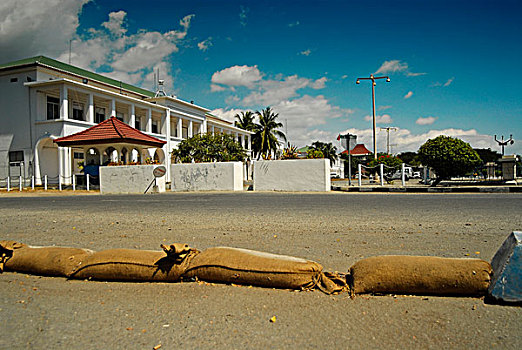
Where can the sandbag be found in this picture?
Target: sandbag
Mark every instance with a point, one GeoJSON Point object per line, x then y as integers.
{"type": "Point", "coordinates": [243, 266]}
{"type": "Point", "coordinates": [47, 261]}
{"type": "Point", "coordinates": [136, 265]}
{"type": "Point", "coordinates": [423, 275]}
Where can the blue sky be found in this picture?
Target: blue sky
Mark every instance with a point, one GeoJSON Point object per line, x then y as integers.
{"type": "Point", "coordinates": [455, 66]}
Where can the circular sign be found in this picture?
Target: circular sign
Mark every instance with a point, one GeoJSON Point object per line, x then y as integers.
{"type": "Point", "coordinates": [159, 171]}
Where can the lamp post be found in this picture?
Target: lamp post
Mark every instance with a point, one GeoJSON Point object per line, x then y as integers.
{"type": "Point", "coordinates": [503, 143]}
{"type": "Point", "coordinates": [392, 128]}
{"type": "Point", "coordinates": [372, 78]}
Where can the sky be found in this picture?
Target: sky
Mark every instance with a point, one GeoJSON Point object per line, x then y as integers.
{"type": "Point", "coordinates": [454, 66]}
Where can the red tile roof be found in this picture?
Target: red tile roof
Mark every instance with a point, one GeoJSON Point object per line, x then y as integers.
{"type": "Point", "coordinates": [359, 150]}
{"type": "Point", "coordinates": [111, 130]}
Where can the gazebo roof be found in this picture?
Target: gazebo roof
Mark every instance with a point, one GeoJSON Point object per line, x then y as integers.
{"type": "Point", "coordinates": [111, 130]}
{"type": "Point", "coordinates": [359, 150]}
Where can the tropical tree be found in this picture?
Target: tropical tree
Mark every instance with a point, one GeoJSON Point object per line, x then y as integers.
{"type": "Point", "coordinates": [328, 150]}
{"type": "Point", "coordinates": [448, 157]}
{"type": "Point", "coordinates": [265, 140]}
{"type": "Point", "coordinates": [386, 159]}
{"type": "Point", "coordinates": [208, 148]}
{"type": "Point", "coordinates": [245, 120]}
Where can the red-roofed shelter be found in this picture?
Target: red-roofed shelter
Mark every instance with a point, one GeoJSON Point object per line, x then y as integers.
{"type": "Point", "coordinates": [113, 141]}
{"type": "Point", "coordinates": [359, 150]}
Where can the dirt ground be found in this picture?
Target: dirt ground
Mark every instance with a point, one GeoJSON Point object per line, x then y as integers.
{"type": "Point", "coordinates": [335, 229]}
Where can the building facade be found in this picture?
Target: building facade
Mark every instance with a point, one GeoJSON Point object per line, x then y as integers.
{"type": "Point", "coordinates": [42, 99]}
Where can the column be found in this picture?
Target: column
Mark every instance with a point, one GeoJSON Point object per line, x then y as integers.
{"type": "Point", "coordinates": [148, 126]}
{"type": "Point", "coordinates": [168, 145]}
{"type": "Point", "coordinates": [90, 109]}
{"type": "Point", "coordinates": [180, 127]}
{"type": "Point", "coordinates": [213, 130]}
{"type": "Point", "coordinates": [249, 144]}
{"type": "Point", "coordinates": [113, 108]}
{"type": "Point", "coordinates": [204, 127]}
{"type": "Point", "coordinates": [64, 102]}
{"type": "Point", "coordinates": [132, 115]}
{"type": "Point", "coordinates": [190, 129]}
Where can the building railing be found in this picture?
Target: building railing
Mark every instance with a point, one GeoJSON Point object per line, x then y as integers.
{"type": "Point", "coordinates": [75, 182]}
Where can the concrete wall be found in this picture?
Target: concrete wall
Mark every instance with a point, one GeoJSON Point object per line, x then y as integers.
{"type": "Point", "coordinates": [292, 175]}
{"type": "Point", "coordinates": [226, 176]}
{"type": "Point", "coordinates": [128, 179]}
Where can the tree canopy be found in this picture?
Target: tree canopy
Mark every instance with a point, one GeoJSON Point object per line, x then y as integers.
{"type": "Point", "coordinates": [264, 141]}
{"type": "Point", "coordinates": [208, 148]}
{"type": "Point", "coordinates": [328, 150]}
{"type": "Point", "coordinates": [448, 157]}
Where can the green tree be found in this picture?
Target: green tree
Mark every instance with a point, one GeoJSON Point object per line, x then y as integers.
{"type": "Point", "coordinates": [386, 159]}
{"type": "Point", "coordinates": [265, 141]}
{"type": "Point", "coordinates": [448, 157]}
{"type": "Point", "coordinates": [411, 158]}
{"type": "Point", "coordinates": [328, 150]}
{"type": "Point", "coordinates": [208, 148]}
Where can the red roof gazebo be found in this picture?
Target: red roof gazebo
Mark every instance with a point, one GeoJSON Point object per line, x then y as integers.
{"type": "Point", "coordinates": [359, 150]}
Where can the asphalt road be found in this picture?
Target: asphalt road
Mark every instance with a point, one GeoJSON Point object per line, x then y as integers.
{"type": "Point", "coordinates": [335, 229]}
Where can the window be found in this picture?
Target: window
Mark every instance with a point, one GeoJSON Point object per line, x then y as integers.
{"type": "Point", "coordinates": [137, 123]}
{"type": "Point", "coordinates": [16, 156]}
{"type": "Point", "coordinates": [78, 155]}
{"type": "Point", "coordinates": [14, 80]}
{"type": "Point", "coordinates": [53, 108]}
{"type": "Point", "coordinates": [77, 112]}
{"type": "Point", "coordinates": [154, 126]}
{"type": "Point", "coordinates": [99, 115]}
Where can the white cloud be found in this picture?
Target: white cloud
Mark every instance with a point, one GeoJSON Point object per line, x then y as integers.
{"type": "Point", "coordinates": [380, 119]}
{"type": "Point", "coordinates": [449, 81]}
{"type": "Point", "coordinates": [227, 114]}
{"type": "Point", "coordinates": [396, 66]}
{"type": "Point", "coordinates": [305, 52]}
{"type": "Point", "coordinates": [237, 76]}
{"type": "Point", "coordinates": [216, 88]}
{"type": "Point", "coordinates": [383, 108]}
{"type": "Point", "coordinates": [408, 95]}
{"type": "Point", "coordinates": [426, 120]}
{"type": "Point", "coordinates": [293, 24]}
{"type": "Point", "coordinates": [32, 27]}
{"type": "Point", "coordinates": [115, 23]}
{"type": "Point", "coordinates": [205, 44]}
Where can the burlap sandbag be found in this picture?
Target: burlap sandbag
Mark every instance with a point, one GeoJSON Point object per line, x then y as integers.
{"type": "Point", "coordinates": [136, 265]}
{"type": "Point", "coordinates": [47, 261]}
{"type": "Point", "coordinates": [243, 266]}
{"type": "Point", "coordinates": [423, 275]}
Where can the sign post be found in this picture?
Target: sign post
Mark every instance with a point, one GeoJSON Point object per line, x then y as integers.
{"type": "Point", "coordinates": [348, 142]}
{"type": "Point", "coordinates": [158, 171]}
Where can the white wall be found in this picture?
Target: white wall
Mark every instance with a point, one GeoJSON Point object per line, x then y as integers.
{"type": "Point", "coordinates": [226, 176]}
{"type": "Point", "coordinates": [292, 175]}
{"type": "Point", "coordinates": [128, 179]}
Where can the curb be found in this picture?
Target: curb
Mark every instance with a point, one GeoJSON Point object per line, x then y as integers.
{"type": "Point", "coordinates": [414, 189]}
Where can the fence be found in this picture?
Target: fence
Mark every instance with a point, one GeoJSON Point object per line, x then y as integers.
{"type": "Point", "coordinates": [386, 173]}
{"type": "Point", "coordinates": [74, 182]}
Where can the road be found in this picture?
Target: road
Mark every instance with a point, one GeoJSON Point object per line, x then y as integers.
{"type": "Point", "coordinates": [335, 229]}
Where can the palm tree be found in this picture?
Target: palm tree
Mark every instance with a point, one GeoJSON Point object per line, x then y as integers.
{"type": "Point", "coordinates": [245, 120]}
{"type": "Point", "coordinates": [265, 139]}
{"type": "Point", "coordinates": [329, 151]}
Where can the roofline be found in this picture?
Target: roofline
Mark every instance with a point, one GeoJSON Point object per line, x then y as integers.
{"type": "Point", "coordinates": [175, 99]}
{"type": "Point", "coordinates": [110, 141]}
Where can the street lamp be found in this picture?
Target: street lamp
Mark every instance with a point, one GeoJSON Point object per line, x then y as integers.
{"type": "Point", "coordinates": [372, 78]}
{"type": "Point", "coordinates": [503, 143]}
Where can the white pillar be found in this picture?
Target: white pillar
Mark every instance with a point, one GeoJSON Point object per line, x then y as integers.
{"type": "Point", "coordinates": [87, 180]}
{"type": "Point", "coordinates": [113, 108]}
{"type": "Point", "coordinates": [45, 182]}
{"type": "Point", "coordinates": [74, 182]}
{"type": "Point", "coordinates": [167, 145]}
{"type": "Point", "coordinates": [381, 170]}
{"type": "Point", "coordinates": [359, 174]}
{"type": "Point", "coordinates": [213, 130]}
{"type": "Point", "coordinates": [180, 128]}
{"type": "Point", "coordinates": [60, 165]}
{"type": "Point", "coordinates": [64, 102]}
{"type": "Point", "coordinates": [132, 115]}
{"type": "Point", "coordinates": [37, 172]}
{"type": "Point", "coordinates": [190, 129]}
{"type": "Point", "coordinates": [20, 183]}
{"type": "Point", "coordinates": [148, 126]}
{"type": "Point", "coordinates": [8, 184]}
{"type": "Point", "coordinates": [249, 144]}
{"type": "Point", "coordinates": [204, 127]}
{"type": "Point", "coordinates": [32, 182]}
{"type": "Point", "coordinates": [90, 109]}
{"type": "Point", "coordinates": [403, 175]}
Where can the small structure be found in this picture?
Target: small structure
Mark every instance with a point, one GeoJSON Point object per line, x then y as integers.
{"type": "Point", "coordinates": [509, 167]}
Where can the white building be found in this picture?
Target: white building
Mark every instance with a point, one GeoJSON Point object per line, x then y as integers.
{"type": "Point", "coordinates": [42, 99]}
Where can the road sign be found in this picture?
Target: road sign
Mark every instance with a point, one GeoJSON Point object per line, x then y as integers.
{"type": "Point", "coordinates": [159, 171]}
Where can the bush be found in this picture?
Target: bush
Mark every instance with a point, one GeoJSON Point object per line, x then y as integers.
{"type": "Point", "coordinates": [208, 148]}
{"type": "Point", "coordinates": [448, 157]}
{"type": "Point", "coordinates": [386, 159]}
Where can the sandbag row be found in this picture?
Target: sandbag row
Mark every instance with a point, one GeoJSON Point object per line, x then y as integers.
{"type": "Point", "coordinates": [421, 275]}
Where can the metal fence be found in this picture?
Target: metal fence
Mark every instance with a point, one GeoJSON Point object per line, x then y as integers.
{"type": "Point", "coordinates": [75, 182]}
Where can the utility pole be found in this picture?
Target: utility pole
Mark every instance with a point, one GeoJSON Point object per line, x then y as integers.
{"type": "Point", "coordinates": [388, 137]}
{"type": "Point", "coordinates": [372, 78]}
